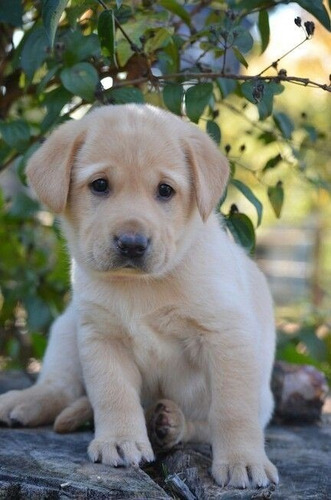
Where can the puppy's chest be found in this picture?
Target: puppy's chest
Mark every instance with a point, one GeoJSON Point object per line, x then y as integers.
{"type": "Point", "coordinates": [163, 339]}
{"type": "Point", "coordinates": [151, 348]}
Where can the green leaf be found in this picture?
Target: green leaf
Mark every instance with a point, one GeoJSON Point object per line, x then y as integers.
{"type": "Point", "coordinates": [226, 86]}
{"type": "Point", "coordinates": [46, 79]}
{"type": "Point", "coordinates": [196, 99]}
{"type": "Point", "coordinates": [276, 197]}
{"type": "Point", "coordinates": [251, 4]}
{"type": "Point", "coordinates": [125, 95]}
{"type": "Point", "coordinates": [39, 314]}
{"type": "Point", "coordinates": [5, 151]}
{"type": "Point", "coordinates": [51, 12]}
{"type": "Point", "coordinates": [240, 57]}
{"type": "Point", "coordinates": [311, 131]}
{"type": "Point", "coordinates": [317, 9]}
{"type": "Point", "coordinates": [81, 80]}
{"type": "Point", "coordinates": [16, 134]}
{"type": "Point", "coordinates": [124, 52]}
{"type": "Point", "coordinates": [272, 162]}
{"type": "Point", "coordinates": [264, 29]}
{"type": "Point", "coordinates": [39, 344]}
{"type": "Point", "coordinates": [173, 97]}
{"type": "Point", "coordinates": [267, 137]}
{"type": "Point", "coordinates": [54, 101]}
{"type": "Point", "coordinates": [106, 33]}
{"type": "Point", "coordinates": [169, 58]}
{"type": "Point", "coordinates": [34, 51]}
{"type": "Point", "coordinates": [161, 37]}
{"type": "Point", "coordinates": [79, 47]}
{"type": "Point", "coordinates": [123, 13]}
{"type": "Point", "coordinates": [290, 354]}
{"type": "Point", "coordinates": [265, 106]}
{"type": "Point", "coordinates": [248, 90]}
{"type": "Point", "coordinates": [248, 193]}
{"type": "Point", "coordinates": [242, 230]}
{"type": "Point", "coordinates": [284, 124]}
{"type": "Point", "coordinates": [242, 39]}
{"type": "Point", "coordinates": [176, 9]}
{"type": "Point", "coordinates": [23, 206]}
{"type": "Point", "coordinates": [11, 12]}
{"type": "Point", "coordinates": [261, 93]}
{"type": "Point", "coordinates": [214, 131]}
{"type": "Point", "coordinates": [22, 161]}
{"type": "Point", "coordinates": [315, 345]}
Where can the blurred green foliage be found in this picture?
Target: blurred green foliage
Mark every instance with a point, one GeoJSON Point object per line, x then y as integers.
{"type": "Point", "coordinates": [57, 59]}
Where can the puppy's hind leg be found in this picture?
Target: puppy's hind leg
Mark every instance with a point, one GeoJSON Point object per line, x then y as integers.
{"type": "Point", "coordinates": [167, 426]}
{"type": "Point", "coordinates": [74, 416]}
{"type": "Point", "coordinates": [59, 384]}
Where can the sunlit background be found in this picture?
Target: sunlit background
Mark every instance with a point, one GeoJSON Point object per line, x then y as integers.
{"type": "Point", "coordinates": [295, 250]}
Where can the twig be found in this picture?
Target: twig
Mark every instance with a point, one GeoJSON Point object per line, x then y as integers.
{"type": "Point", "coordinates": [133, 46]}
{"type": "Point", "coordinates": [275, 63]}
{"type": "Point", "coordinates": [209, 75]}
{"type": "Point", "coordinates": [179, 487]}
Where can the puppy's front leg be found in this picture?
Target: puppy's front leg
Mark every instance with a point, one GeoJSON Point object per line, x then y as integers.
{"type": "Point", "coordinates": [239, 458]}
{"type": "Point", "coordinates": [113, 384]}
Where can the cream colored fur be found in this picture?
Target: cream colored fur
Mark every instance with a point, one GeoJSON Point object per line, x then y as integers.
{"type": "Point", "coordinates": [193, 323]}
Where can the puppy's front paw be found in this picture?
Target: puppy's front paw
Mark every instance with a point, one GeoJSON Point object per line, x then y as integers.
{"type": "Point", "coordinates": [121, 451]}
{"type": "Point", "coordinates": [242, 472]}
{"type": "Point", "coordinates": [165, 423]}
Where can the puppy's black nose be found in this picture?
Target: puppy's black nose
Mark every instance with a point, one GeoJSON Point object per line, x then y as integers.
{"type": "Point", "coordinates": [131, 245]}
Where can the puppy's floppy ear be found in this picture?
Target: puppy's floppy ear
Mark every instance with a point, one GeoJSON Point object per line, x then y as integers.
{"type": "Point", "coordinates": [210, 170]}
{"type": "Point", "coordinates": [49, 168]}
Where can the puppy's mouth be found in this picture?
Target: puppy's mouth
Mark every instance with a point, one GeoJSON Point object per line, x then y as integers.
{"type": "Point", "coordinates": [130, 268]}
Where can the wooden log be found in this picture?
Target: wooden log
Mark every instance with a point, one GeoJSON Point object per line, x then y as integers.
{"type": "Point", "coordinates": [301, 454]}
{"type": "Point", "coordinates": [299, 391]}
{"type": "Point", "coordinates": [40, 464]}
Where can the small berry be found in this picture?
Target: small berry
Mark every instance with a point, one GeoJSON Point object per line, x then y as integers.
{"type": "Point", "coordinates": [234, 209]}
{"type": "Point", "coordinates": [282, 73]}
{"type": "Point", "coordinates": [310, 28]}
{"type": "Point", "coordinates": [258, 92]}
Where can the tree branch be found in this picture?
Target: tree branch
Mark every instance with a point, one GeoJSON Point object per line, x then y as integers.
{"type": "Point", "coordinates": [209, 75]}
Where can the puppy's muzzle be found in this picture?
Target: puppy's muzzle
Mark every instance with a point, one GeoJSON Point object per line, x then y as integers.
{"type": "Point", "coordinates": [132, 246]}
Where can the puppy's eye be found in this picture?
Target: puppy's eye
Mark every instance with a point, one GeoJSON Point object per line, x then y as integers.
{"type": "Point", "coordinates": [165, 192]}
{"type": "Point", "coordinates": [100, 186]}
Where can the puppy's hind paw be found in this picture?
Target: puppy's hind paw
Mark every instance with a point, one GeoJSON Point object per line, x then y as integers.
{"type": "Point", "coordinates": [74, 416]}
{"type": "Point", "coordinates": [165, 424]}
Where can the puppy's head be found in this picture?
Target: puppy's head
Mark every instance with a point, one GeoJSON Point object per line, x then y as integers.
{"type": "Point", "coordinates": [131, 183]}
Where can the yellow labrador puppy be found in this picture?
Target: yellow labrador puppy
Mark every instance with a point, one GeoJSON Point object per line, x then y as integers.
{"type": "Point", "coordinates": [164, 305]}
